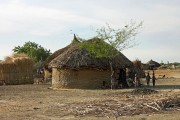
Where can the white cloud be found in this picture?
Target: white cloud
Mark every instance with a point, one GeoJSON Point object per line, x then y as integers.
{"type": "Point", "coordinates": [45, 19]}
{"type": "Point", "coordinates": [162, 18]}
{"type": "Point", "coordinates": [38, 20]}
{"type": "Point", "coordinates": [157, 17]}
{"type": "Point", "coordinates": [17, 16]}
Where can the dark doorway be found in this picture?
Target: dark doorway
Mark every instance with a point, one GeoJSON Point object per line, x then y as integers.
{"type": "Point", "coordinates": [122, 78]}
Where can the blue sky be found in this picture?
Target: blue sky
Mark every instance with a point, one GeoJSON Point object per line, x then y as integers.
{"type": "Point", "coordinates": [52, 23]}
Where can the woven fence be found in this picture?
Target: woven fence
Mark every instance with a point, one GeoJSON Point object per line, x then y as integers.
{"type": "Point", "coordinates": [16, 70]}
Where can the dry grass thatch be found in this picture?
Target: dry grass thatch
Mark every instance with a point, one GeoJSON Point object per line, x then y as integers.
{"type": "Point", "coordinates": [137, 63]}
{"type": "Point", "coordinates": [58, 52]}
{"type": "Point", "coordinates": [75, 57]}
{"type": "Point", "coordinates": [138, 67]}
{"type": "Point", "coordinates": [16, 69]}
{"type": "Point", "coordinates": [54, 55]}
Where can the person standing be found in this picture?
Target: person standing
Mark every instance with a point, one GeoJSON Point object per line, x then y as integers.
{"type": "Point", "coordinates": [153, 79]}
{"type": "Point", "coordinates": [148, 79]}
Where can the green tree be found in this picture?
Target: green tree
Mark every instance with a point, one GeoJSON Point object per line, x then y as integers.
{"type": "Point", "coordinates": [111, 40]}
{"type": "Point", "coordinates": [33, 50]}
{"type": "Point", "coordinates": [118, 39]}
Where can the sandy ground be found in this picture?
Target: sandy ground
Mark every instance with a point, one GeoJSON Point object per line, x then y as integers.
{"type": "Point", "coordinates": [37, 102]}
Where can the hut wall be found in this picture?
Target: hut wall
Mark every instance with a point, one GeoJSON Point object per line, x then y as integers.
{"type": "Point", "coordinates": [47, 74]}
{"type": "Point", "coordinates": [81, 79]}
{"type": "Point", "coordinates": [146, 67]}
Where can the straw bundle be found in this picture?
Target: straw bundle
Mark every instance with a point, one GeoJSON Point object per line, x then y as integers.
{"type": "Point", "coordinates": [8, 59]}
{"type": "Point", "coordinates": [137, 63]}
{"type": "Point", "coordinates": [16, 69]}
{"type": "Point", "coordinates": [138, 67]}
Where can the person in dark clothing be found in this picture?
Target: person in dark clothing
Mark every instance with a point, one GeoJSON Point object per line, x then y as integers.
{"type": "Point", "coordinates": [153, 79]}
{"type": "Point", "coordinates": [148, 79]}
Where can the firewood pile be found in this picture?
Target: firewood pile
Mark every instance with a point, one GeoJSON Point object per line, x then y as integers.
{"type": "Point", "coordinates": [115, 108]}
{"type": "Point", "coordinates": [143, 91]}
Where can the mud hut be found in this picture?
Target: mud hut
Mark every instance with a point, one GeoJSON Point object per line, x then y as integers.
{"type": "Point", "coordinates": [151, 65]}
{"type": "Point", "coordinates": [16, 69]}
{"type": "Point", "coordinates": [74, 67]}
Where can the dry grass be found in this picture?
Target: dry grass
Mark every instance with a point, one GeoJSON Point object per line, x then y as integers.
{"type": "Point", "coordinates": [16, 69]}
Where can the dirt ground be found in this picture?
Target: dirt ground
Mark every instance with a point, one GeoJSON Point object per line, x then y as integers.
{"type": "Point", "coordinates": [38, 102]}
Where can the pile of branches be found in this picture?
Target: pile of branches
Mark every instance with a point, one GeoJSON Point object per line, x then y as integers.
{"type": "Point", "coordinates": [143, 91]}
{"type": "Point", "coordinates": [113, 108]}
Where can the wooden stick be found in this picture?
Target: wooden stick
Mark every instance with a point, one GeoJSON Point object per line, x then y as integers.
{"type": "Point", "coordinates": [154, 108]}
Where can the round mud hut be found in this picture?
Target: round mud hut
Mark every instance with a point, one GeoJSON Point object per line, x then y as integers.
{"type": "Point", "coordinates": [16, 69]}
{"type": "Point", "coordinates": [74, 67]}
{"type": "Point", "coordinates": [152, 65]}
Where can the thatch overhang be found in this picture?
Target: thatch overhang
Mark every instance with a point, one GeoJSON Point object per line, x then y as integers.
{"type": "Point", "coordinates": [75, 57]}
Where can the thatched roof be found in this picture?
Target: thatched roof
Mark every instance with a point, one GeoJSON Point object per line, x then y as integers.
{"type": "Point", "coordinates": [58, 52]}
{"type": "Point", "coordinates": [153, 63]}
{"type": "Point", "coordinates": [75, 57]}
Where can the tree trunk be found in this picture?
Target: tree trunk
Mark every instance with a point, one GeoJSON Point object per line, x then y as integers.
{"type": "Point", "coordinates": [112, 76]}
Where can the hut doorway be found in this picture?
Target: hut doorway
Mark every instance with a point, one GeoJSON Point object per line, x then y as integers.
{"type": "Point", "coordinates": [122, 78]}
